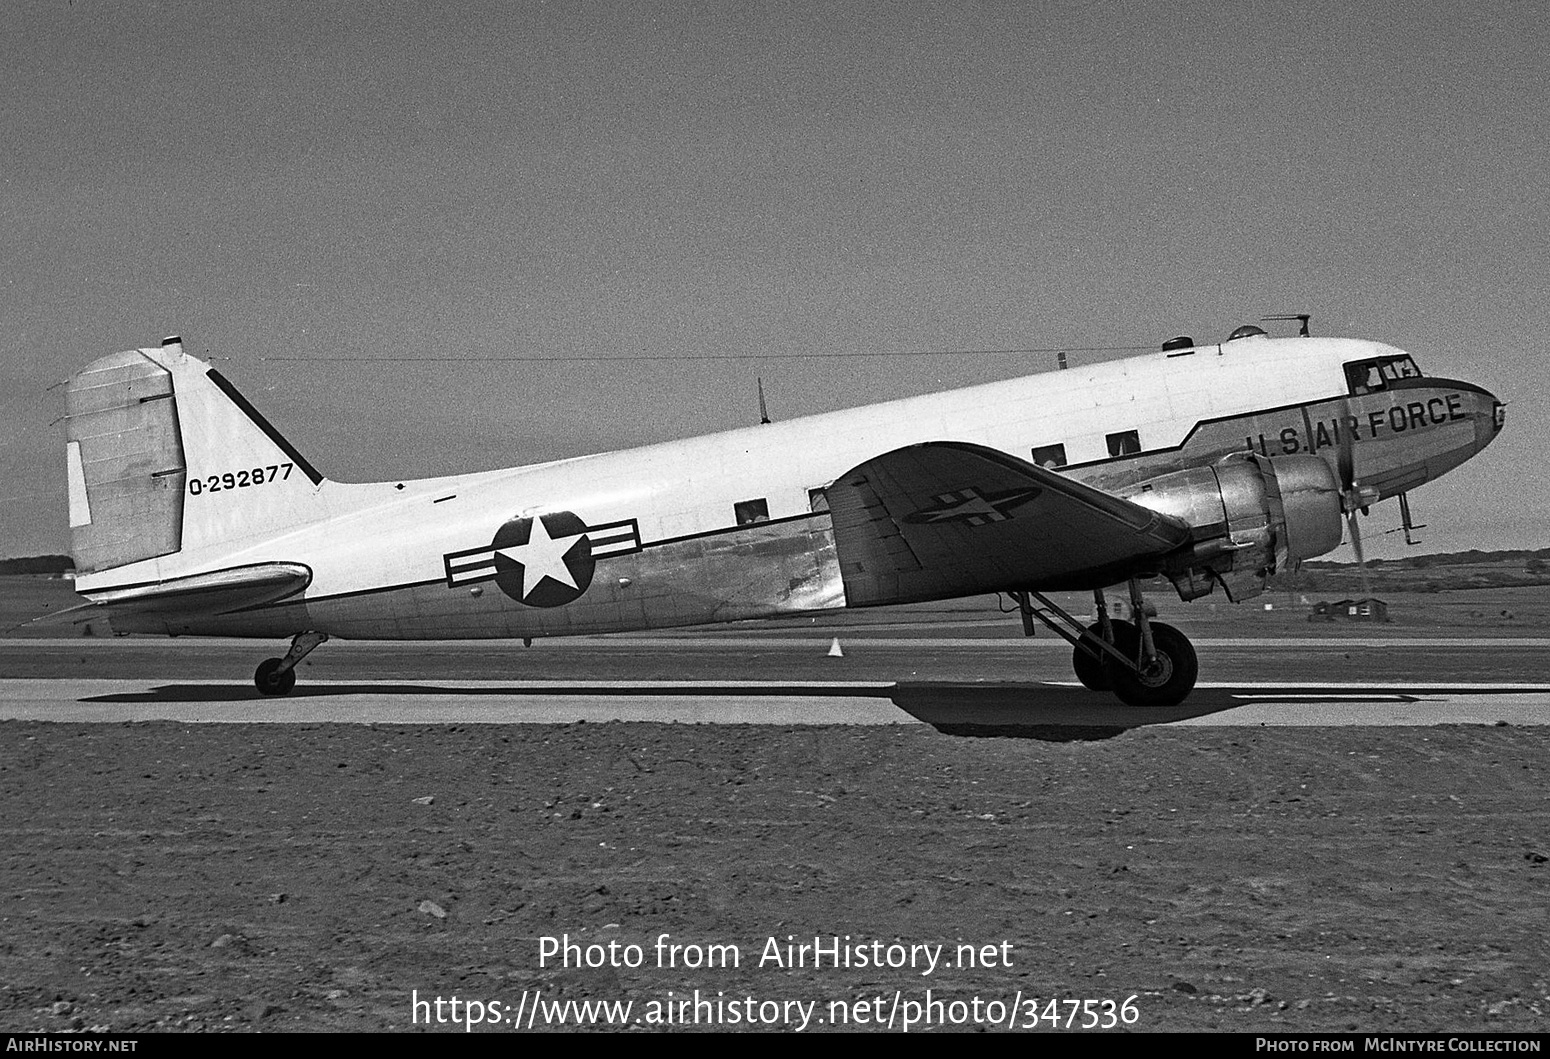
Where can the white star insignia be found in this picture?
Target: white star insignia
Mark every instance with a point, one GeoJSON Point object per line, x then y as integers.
{"type": "Point", "coordinates": [542, 556]}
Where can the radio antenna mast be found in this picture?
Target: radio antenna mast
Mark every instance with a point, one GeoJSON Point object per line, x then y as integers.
{"type": "Point", "coordinates": [1301, 318]}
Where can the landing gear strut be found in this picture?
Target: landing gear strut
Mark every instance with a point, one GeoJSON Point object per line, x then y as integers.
{"type": "Point", "coordinates": [277, 676]}
{"type": "Point", "coordinates": [1091, 665]}
{"type": "Point", "coordinates": [1145, 663]}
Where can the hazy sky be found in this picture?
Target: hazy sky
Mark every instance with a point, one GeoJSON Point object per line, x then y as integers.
{"type": "Point", "coordinates": [637, 180]}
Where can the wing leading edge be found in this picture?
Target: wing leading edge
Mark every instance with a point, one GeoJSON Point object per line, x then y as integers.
{"type": "Point", "coordinates": [946, 518]}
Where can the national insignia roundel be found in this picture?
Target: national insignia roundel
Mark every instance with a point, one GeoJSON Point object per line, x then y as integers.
{"type": "Point", "coordinates": [544, 561]}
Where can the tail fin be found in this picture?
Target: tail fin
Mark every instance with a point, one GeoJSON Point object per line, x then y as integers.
{"type": "Point", "coordinates": [166, 457]}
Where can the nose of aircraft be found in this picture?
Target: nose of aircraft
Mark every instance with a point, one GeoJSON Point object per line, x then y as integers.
{"type": "Point", "coordinates": [1476, 405]}
{"type": "Point", "coordinates": [1487, 413]}
{"type": "Point", "coordinates": [1490, 417]}
{"type": "Point", "coordinates": [1466, 419]}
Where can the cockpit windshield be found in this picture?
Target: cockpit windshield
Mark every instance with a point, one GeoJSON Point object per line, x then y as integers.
{"type": "Point", "coordinates": [1366, 376]}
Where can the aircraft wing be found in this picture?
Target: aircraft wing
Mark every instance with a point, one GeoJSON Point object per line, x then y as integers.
{"type": "Point", "coordinates": [218, 592]}
{"type": "Point", "coordinates": [949, 518]}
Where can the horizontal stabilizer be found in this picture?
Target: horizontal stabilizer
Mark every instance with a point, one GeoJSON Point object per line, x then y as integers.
{"type": "Point", "coordinates": [218, 592]}
{"type": "Point", "coordinates": [80, 614]}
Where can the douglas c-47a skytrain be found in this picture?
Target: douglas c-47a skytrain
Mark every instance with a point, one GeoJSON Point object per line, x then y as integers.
{"type": "Point", "coordinates": [1212, 465]}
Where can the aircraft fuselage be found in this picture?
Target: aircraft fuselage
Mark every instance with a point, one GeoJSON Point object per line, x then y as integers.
{"type": "Point", "coordinates": [735, 525]}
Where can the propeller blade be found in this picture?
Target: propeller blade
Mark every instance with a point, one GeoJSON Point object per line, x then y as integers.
{"type": "Point", "coordinates": [1356, 546]}
{"type": "Point", "coordinates": [1346, 458]}
{"type": "Point", "coordinates": [1351, 497]}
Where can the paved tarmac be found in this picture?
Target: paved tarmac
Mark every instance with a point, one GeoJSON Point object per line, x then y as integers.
{"type": "Point", "coordinates": [813, 703]}
{"type": "Point", "coordinates": [971, 685]}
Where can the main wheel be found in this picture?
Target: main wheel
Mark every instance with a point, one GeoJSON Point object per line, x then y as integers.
{"type": "Point", "coordinates": [269, 680]}
{"type": "Point", "coordinates": [1170, 678]}
{"type": "Point", "coordinates": [1095, 673]}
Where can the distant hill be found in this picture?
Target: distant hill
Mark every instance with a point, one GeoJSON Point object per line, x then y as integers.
{"type": "Point", "coordinates": [1422, 573]}
{"type": "Point", "coordinates": [37, 564]}
{"type": "Point", "coordinates": [1421, 562]}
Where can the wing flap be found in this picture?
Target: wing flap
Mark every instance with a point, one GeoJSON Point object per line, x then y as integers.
{"type": "Point", "coordinates": [946, 519]}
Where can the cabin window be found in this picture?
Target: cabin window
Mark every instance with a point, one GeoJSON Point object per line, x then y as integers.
{"type": "Point", "coordinates": [1125, 443]}
{"type": "Point", "coordinates": [817, 500]}
{"type": "Point", "coordinates": [1368, 376]}
{"type": "Point", "coordinates": [750, 511]}
{"type": "Point", "coordinates": [1049, 455]}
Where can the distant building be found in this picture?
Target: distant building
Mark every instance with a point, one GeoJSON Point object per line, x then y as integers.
{"type": "Point", "coordinates": [1121, 610]}
{"type": "Point", "coordinates": [1351, 610]}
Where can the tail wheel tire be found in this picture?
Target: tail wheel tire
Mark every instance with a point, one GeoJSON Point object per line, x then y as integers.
{"type": "Point", "coordinates": [1096, 673]}
{"type": "Point", "coordinates": [1169, 680]}
{"type": "Point", "coordinates": [271, 681]}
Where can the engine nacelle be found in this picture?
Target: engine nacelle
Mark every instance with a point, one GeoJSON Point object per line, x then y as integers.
{"type": "Point", "coordinates": [1251, 516]}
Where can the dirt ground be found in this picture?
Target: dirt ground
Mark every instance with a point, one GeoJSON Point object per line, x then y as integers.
{"type": "Point", "coordinates": [159, 876]}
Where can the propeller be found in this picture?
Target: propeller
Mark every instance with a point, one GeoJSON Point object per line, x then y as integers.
{"type": "Point", "coordinates": [1351, 499]}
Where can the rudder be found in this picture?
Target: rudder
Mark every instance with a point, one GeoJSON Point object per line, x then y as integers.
{"type": "Point", "coordinates": [124, 455]}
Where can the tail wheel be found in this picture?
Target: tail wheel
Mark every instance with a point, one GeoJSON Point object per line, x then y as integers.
{"type": "Point", "coordinates": [1170, 678]}
{"type": "Point", "coordinates": [1096, 672]}
{"type": "Point", "coordinates": [269, 679]}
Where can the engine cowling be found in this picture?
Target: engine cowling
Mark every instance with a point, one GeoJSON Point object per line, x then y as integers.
{"type": "Point", "coordinates": [1250, 515]}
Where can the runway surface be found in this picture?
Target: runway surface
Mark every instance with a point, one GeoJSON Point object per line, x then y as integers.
{"type": "Point", "coordinates": [974, 685]}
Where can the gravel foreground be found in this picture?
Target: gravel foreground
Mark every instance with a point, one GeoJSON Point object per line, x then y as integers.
{"type": "Point", "coordinates": [160, 876]}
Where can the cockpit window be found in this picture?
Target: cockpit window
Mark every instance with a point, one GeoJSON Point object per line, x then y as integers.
{"type": "Point", "coordinates": [1399, 368]}
{"type": "Point", "coordinates": [1366, 376]}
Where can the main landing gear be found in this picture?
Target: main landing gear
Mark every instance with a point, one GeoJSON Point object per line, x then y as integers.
{"type": "Point", "coordinates": [1145, 663]}
{"type": "Point", "coordinates": [277, 676]}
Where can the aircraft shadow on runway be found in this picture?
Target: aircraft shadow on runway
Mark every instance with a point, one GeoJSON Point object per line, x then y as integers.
{"type": "Point", "coordinates": [1051, 713]}
{"type": "Point", "coordinates": [1048, 712]}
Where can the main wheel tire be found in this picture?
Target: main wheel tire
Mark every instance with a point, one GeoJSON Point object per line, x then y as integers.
{"type": "Point", "coordinates": [1093, 672]}
{"type": "Point", "coordinates": [1172, 676]}
{"type": "Point", "coordinates": [270, 681]}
